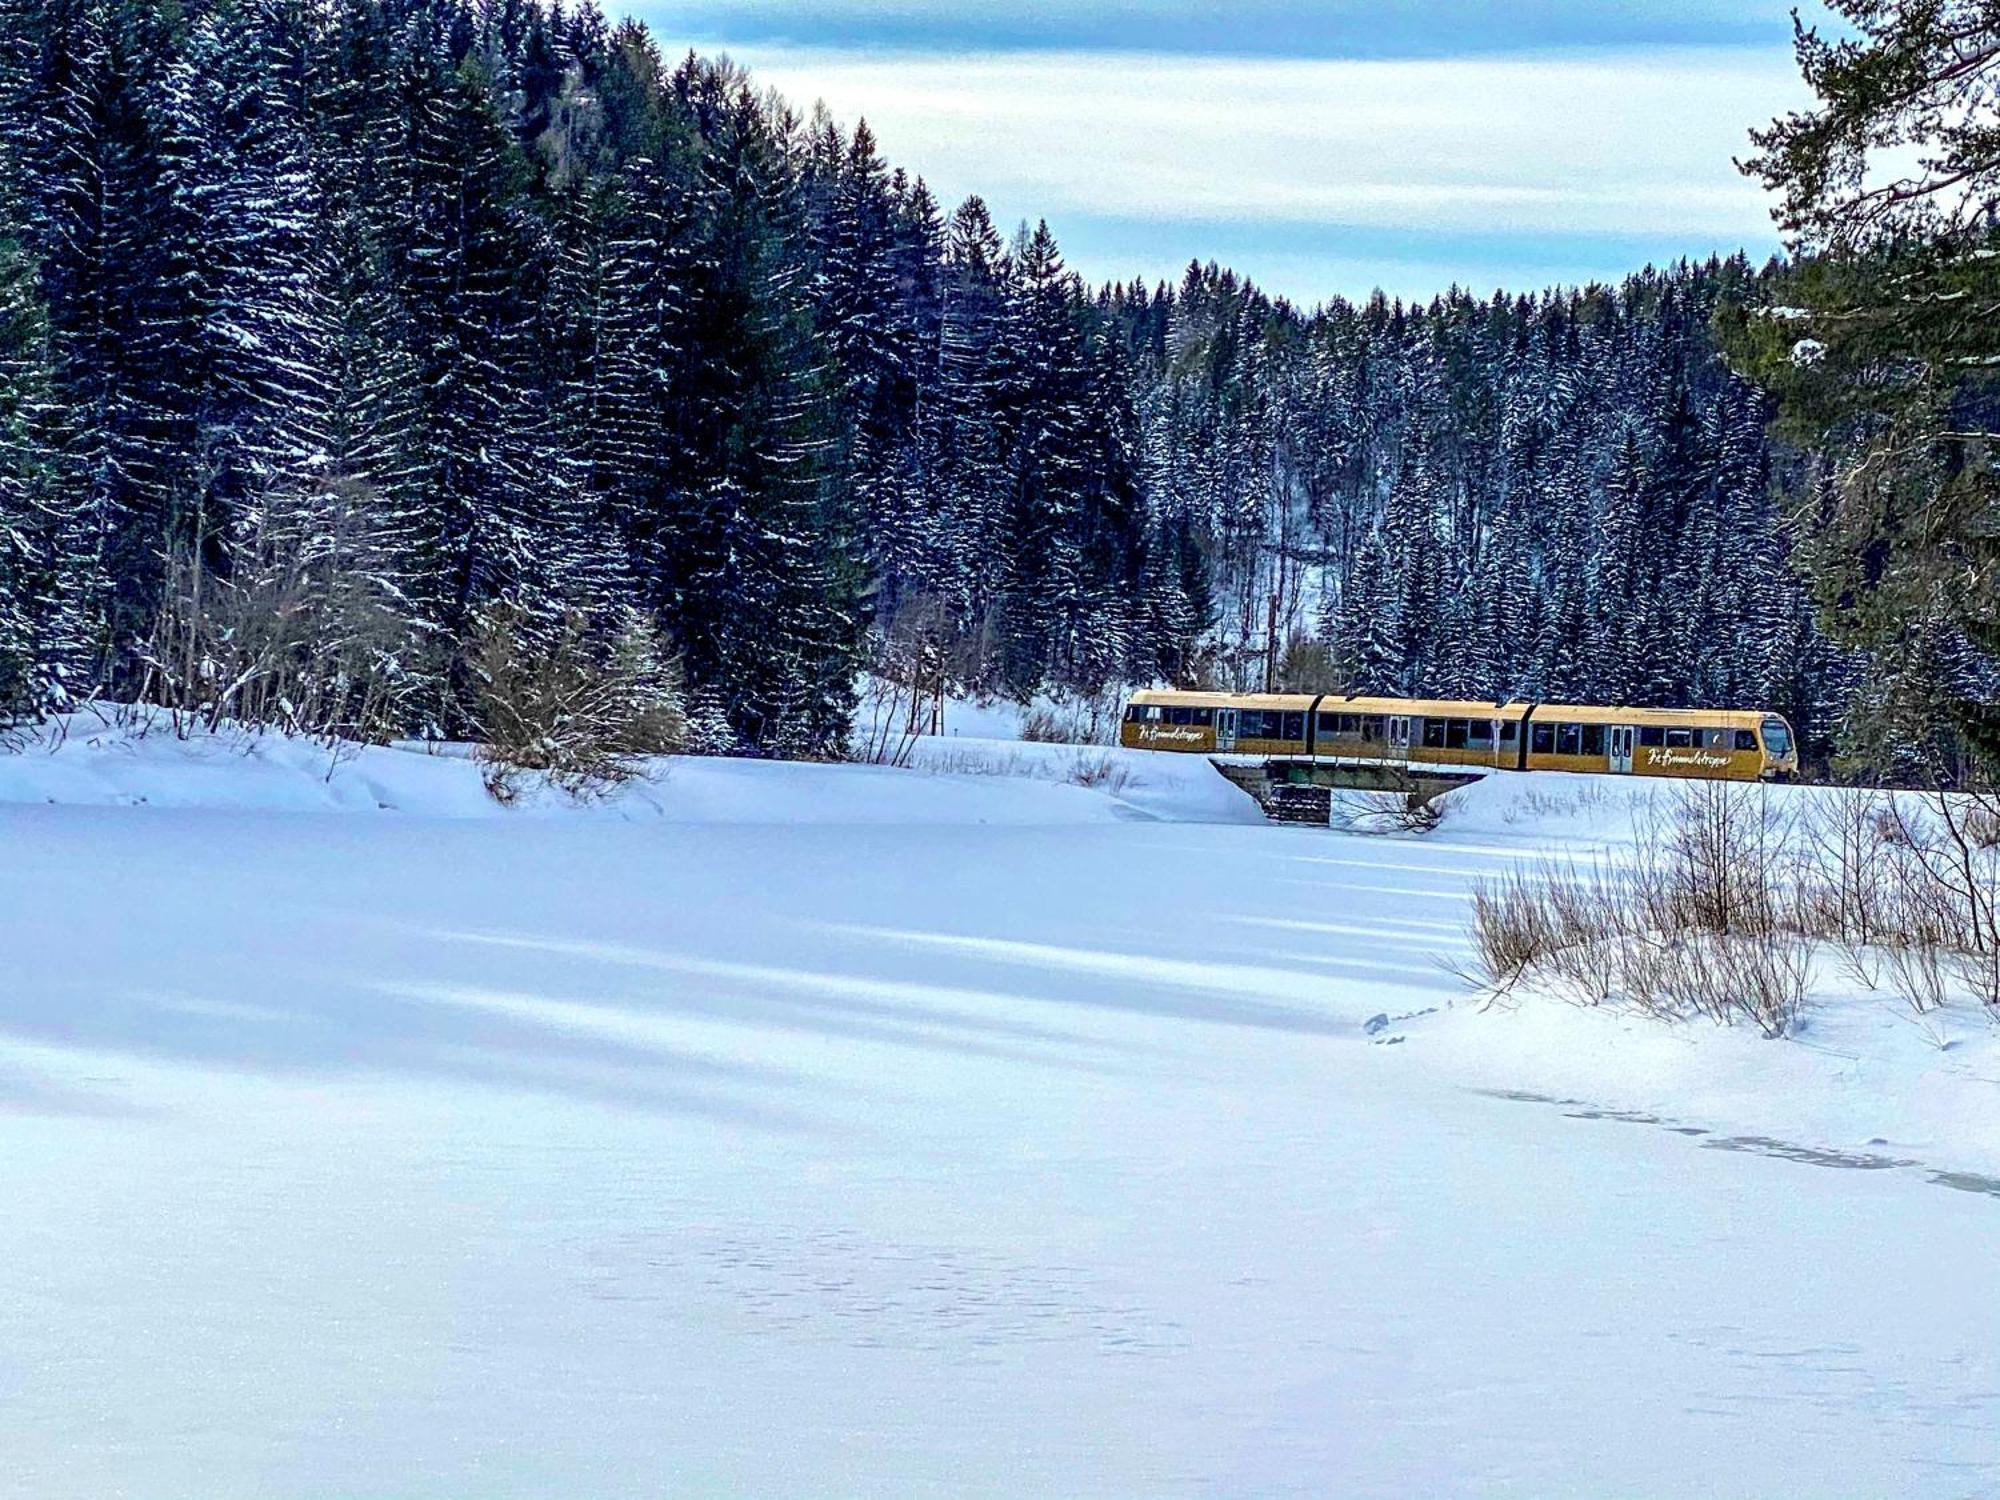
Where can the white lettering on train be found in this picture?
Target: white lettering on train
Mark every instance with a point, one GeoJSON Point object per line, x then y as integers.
{"type": "Point", "coordinates": [1699, 759]}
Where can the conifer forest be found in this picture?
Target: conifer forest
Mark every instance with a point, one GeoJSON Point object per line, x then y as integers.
{"type": "Point", "coordinates": [387, 316]}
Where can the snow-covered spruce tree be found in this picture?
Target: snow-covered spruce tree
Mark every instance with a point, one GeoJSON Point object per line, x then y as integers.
{"type": "Point", "coordinates": [1068, 467]}
{"type": "Point", "coordinates": [761, 573]}
{"type": "Point", "coordinates": [27, 495]}
{"type": "Point", "coordinates": [962, 433]}
{"type": "Point", "coordinates": [618, 305]}
{"type": "Point", "coordinates": [499, 496]}
{"type": "Point", "coordinates": [236, 136]}
{"type": "Point", "coordinates": [108, 231]}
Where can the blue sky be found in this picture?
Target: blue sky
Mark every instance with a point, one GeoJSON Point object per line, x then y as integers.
{"type": "Point", "coordinates": [1321, 148]}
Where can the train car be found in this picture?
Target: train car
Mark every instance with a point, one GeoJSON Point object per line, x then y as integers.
{"type": "Point", "coordinates": [1453, 736]}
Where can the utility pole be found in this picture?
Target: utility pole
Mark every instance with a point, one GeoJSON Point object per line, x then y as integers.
{"type": "Point", "coordinates": [1271, 647]}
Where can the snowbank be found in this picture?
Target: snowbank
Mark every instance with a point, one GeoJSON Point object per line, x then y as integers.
{"type": "Point", "coordinates": [1181, 788]}
{"type": "Point", "coordinates": [1861, 1075]}
{"type": "Point", "coordinates": [1555, 805]}
{"type": "Point", "coordinates": [122, 759]}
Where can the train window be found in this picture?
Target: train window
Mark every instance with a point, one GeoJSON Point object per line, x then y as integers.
{"type": "Point", "coordinates": [1295, 726]}
{"type": "Point", "coordinates": [1569, 739]}
{"type": "Point", "coordinates": [1434, 734]}
{"type": "Point", "coordinates": [1777, 736]}
{"type": "Point", "coordinates": [1680, 737]}
{"type": "Point", "coordinates": [1250, 724]}
{"type": "Point", "coordinates": [1329, 724]}
{"type": "Point", "coordinates": [1652, 734]}
{"type": "Point", "coordinates": [1350, 723]}
{"type": "Point", "coordinates": [1716, 739]}
{"type": "Point", "coordinates": [1205, 717]}
{"type": "Point", "coordinates": [1180, 716]}
{"type": "Point", "coordinates": [1542, 739]}
{"type": "Point", "coordinates": [1593, 739]}
{"type": "Point", "coordinates": [1135, 714]}
{"type": "Point", "coordinates": [1372, 727]}
{"type": "Point", "coordinates": [1746, 739]}
{"type": "Point", "coordinates": [1454, 734]}
{"type": "Point", "coordinates": [1510, 732]}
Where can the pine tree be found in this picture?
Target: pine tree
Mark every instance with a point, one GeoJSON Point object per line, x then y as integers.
{"type": "Point", "coordinates": [1886, 187]}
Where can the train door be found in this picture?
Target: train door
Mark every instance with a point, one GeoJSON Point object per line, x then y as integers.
{"type": "Point", "coordinates": [1619, 738]}
{"type": "Point", "coordinates": [1225, 729]}
{"type": "Point", "coordinates": [1399, 738]}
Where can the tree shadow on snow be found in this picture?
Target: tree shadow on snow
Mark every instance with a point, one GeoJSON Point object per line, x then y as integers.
{"type": "Point", "coordinates": [623, 1026]}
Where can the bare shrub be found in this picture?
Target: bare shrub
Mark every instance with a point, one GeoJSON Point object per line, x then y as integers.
{"type": "Point", "coordinates": [1763, 977]}
{"type": "Point", "coordinates": [1397, 803]}
{"type": "Point", "coordinates": [884, 731]}
{"type": "Point", "coordinates": [307, 631]}
{"type": "Point", "coordinates": [1979, 821]}
{"type": "Point", "coordinates": [1103, 772]}
{"type": "Point", "coordinates": [1089, 719]}
{"type": "Point", "coordinates": [1535, 803]}
{"type": "Point", "coordinates": [1911, 882]}
{"type": "Point", "coordinates": [960, 760]}
{"type": "Point", "coordinates": [581, 705]}
{"type": "Point", "coordinates": [1044, 726]}
{"type": "Point", "coordinates": [1919, 971]}
{"type": "Point", "coordinates": [1592, 934]}
{"type": "Point", "coordinates": [1692, 924]}
{"type": "Point", "coordinates": [1723, 902]}
{"type": "Point", "coordinates": [1419, 812]}
{"type": "Point", "coordinates": [1943, 877]}
{"type": "Point", "coordinates": [1558, 922]}
{"type": "Point", "coordinates": [908, 677]}
{"type": "Point", "coordinates": [1978, 971]}
{"type": "Point", "coordinates": [1842, 894]}
{"type": "Point", "coordinates": [1513, 930]}
{"type": "Point", "coordinates": [1713, 861]}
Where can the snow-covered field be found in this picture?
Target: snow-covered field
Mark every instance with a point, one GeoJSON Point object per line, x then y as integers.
{"type": "Point", "coordinates": [794, 1131]}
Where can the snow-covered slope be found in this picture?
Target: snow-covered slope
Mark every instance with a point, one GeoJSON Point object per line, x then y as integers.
{"type": "Point", "coordinates": [1552, 807]}
{"type": "Point", "coordinates": [107, 760]}
{"type": "Point", "coordinates": [920, 1148]}
{"type": "Point", "coordinates": [1182, 788]}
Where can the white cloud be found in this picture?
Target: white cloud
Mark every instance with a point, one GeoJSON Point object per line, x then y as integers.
{"type": "Point", "coordinates": [1633, 143]}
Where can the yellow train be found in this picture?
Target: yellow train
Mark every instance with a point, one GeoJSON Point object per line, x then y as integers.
{"type": "Point", "coordinates": [1725, 744]}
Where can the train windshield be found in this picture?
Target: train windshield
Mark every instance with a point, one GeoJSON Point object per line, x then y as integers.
{"type": "Point", "coordinates": [1777, 737]}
